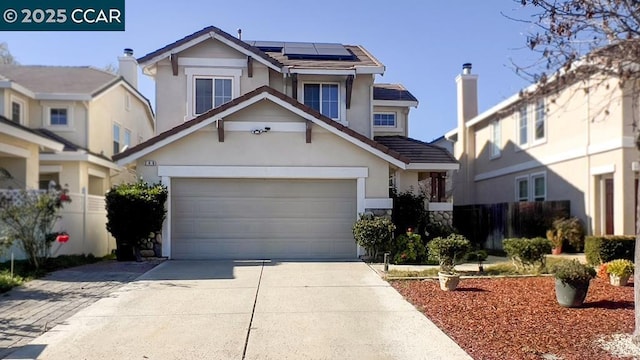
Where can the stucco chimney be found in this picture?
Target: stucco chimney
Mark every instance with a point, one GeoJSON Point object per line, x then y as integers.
{"type": "Point", "coordinates": [128, 67]}
{"type": "Point", "coordinates": [464, 149]}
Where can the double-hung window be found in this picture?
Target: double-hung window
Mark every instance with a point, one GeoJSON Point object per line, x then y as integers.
{"type": "Point", "coordinates": [522, 188]}
{"type": "Point", "coordinates": [539, 181]}
{"type": "Point", "coordinates": [540, 122]}
{"type": "Point", "coordinates": [325, 98]}
{"type": "Point", "coordinates": [116, 138]}
{"type": "Point", "coordinates": [127, 138]}
{"type": "Point", "coordinates": [211, 93]}
{"type": "Point", "coordinates": [523, 129]}
{"type": "Point", "coordinates": [496, 139]}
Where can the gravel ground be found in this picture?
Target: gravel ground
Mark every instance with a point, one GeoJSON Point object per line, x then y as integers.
{"type": "Point", "coordinates": [519, 318]}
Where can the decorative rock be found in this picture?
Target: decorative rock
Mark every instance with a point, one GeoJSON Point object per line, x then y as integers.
{"type": "Point", "coordinates": [147, 253]}
{"type": "Point", "coordinates": [159, 238]}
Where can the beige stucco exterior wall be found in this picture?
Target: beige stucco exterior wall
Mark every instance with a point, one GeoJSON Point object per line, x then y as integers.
{"type": "Point", "coordinates": [241, 148]}
{"type": "Point", "coordinates": [23, 170]}
{"type": "Point", "coordinates": [108, 109]}
{"type": "Point", "coordinates": [402, 117]}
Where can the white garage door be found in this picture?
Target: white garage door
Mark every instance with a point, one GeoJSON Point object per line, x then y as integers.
{"type": "Point", "coordinates": [262, 219]}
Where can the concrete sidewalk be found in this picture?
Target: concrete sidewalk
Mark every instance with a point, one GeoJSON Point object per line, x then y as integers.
{"type": "Point", "coordinates": [28, 311]}
{"type": "Point", "coordinates": [252, 310]}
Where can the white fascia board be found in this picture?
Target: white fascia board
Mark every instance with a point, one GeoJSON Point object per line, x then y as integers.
{"type": "Point", "coordinates": [451, 133]}
{"type": "Point", "coordinates": [242, 50]}
{"type": "Point", "coordinates": [30, 137]}
{"type": "Point", "coordinates": [378, 203]}
{"type": "Point", "coordinates": [62, 97]}
{"type": "Point", "coordinates": [135, 156]}
{"type": "Point", "coordinates": [487, 114]}
{"type": "Point", "coordinates": [15, 151]}
{"type": "Point", "coordinates": [433, 166]}
{"type": "Point", "coordinates": [335, 131]}
{"type": "Point", "coordinates": [311, 71]}
{"type": "Point", "coordinates": [379, 69]}
{"type": "Point", "coordinates": [263, 172]}
{"type": "Point", "coordinates": [401, 103]}
{"type": "Point", "coordinates": [8, 84]}
{"type": "Point", "coordinates": [79, 156]}
{"type": "Point", "coordinates": [370, 69]}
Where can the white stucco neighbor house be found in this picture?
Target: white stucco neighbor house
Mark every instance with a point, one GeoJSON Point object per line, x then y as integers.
{"type": "Point", "coordinates": [272, 149]}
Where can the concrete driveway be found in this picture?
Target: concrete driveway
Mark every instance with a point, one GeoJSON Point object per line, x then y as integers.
{"type": "Point", "coordinates": [249, 310]}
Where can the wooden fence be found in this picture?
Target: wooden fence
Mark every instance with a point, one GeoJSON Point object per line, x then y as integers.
{"type": "Point", "coordinates": [489, 224]}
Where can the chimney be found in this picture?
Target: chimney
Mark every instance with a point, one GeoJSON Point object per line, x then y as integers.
{"type": "Point", "coordinates": [128, 67]}
{"type": "Point", "coordinates": [464, 148]}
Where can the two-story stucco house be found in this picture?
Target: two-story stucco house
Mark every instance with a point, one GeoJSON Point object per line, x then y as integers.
{"type": "Point", "coordinates": [576, 143]}
{"type": "Point", "coordinates": [62, 125]}
{"type": "Point", "coordinates": [271, 149]}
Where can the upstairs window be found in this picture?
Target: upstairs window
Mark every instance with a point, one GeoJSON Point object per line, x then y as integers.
{"type": "Point", "coordinates": [58, 117]}
{"type": "Point", "coordinates": [384, 119]}
{"type": "Point", "coordinates": [211, 93]}
{"type": "Point", "coordinates": [540, 122]}
{"type": "Point", "coordinates": [126, 142]}
{"type": "Point", "coordinates": [324, 98]}
{"type": "Point", "coordinates": [496, 139]}
{"type": "Point", "coordinates": [116, 138]}
{"type": "Point", "coordinates": [522, 126]}
{"type": "Point", "coordinates": [16, 112]}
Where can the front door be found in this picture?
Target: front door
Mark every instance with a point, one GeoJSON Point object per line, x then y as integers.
{"type": "Point", "coordinates": [608, 206]}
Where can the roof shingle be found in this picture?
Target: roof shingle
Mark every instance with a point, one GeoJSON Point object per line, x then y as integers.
{"type": "Point", "coordinates": [416, 150]}
{"type": "Point", "coordinates": [57, 79]}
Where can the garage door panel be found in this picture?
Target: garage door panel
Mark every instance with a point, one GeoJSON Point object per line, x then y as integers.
{"type": "Point", "coordinates": [258, 218]}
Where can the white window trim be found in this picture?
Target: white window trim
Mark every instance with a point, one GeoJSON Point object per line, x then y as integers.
{"type": "Point", "coordinates": [543, 139]}
{"type": "Point", "coordinates": [395, 120]}
{"type": "Point", "coordinates": [46, 116]}
{"type": "Point", "coordinates": [342, 95]}
{"type": "Point", "coordinates": [517, 188]}
{"type": "Point", "coordinates": [209, 73]}
{"type": "Point", "coordinates": [526, 143]}
{"type": "Point", "coordinates": [23, 109]}
{"type": "Point", "coordinates": [119, 136]}
{"type": "Point", "coordinates": [532, 177]}
{"type": "Point", "coordinates": [495, 143]}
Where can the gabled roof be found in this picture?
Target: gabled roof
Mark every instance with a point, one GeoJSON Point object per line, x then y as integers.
{"type": "Point", "coordinates": [68, 145]}
{"type": "Point", "coordinates": [57, 79]}
{"type": "Point", "coordinates": [14, 129]}
{"type": "Point", "coordinates": [256, 95]}
{"type": "Point", "coordinates": [417, 151]}
{"type": "Point", "coordinates": [394, 92]}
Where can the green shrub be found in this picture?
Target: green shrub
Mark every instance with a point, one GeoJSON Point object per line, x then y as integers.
{"type": "Point", "coordinates": [602, 249]}
{"type": "Point", "coordinates": [573, 273]}
{"type": "Point", "coordinates": [478, 255]}
{"type": "Point", "coordinates": [620, 267]}
{"type": "Point", "coordinates": [133, 211]}
{"type": "Point", "coordinates": [527, 252]}
{"type": "Point", "coordinates": [408, 211]}
{"type": "Point", "coordinates": [373, 233]}
{"type": "Point", "coordinates": [7, 282]}
{"type": "Point", "coordinates": [409, 249]}
{"type": "Point", "coordinates": [567, 231]}
{"type": "Point", "coordinates": [448, 251]}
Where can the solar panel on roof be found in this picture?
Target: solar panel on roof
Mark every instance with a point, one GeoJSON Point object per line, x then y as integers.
{"type": "Point", "coordinates": [297, 49]}
{"type": "Point", "coordinates": [270, 46]}
{"type": "Point", "coordinates": [332, 50]}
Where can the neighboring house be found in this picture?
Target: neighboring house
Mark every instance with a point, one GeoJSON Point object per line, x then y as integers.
{"type": "Point", "coordinates": [90, 115]}
{"type": "Point", "coordinates": [271, 149]}
{"type": "Point", "coordinates": [574, 144]}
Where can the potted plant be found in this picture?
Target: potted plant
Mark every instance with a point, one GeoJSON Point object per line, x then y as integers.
{"type": "Point", "coordinates": [566, 231]}
{"type": "Point", "coordinates": [572, 282]}
{"type": "Point", "coordinates": [448, 251]}
{"type": "Point", "coordinates": [619, 271]}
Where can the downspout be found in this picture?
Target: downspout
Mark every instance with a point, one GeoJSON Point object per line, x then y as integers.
{"type": "Point", "coordinates": [84, 189]}
{"type": "Point", "coordinates": [589, 177]}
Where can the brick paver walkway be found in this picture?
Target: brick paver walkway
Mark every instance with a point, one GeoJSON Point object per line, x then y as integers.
{"type": "Point", "coordinates": [30, 310]}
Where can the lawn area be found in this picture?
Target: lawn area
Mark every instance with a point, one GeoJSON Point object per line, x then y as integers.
{"type": "Point", "coordinates": [519, 318]}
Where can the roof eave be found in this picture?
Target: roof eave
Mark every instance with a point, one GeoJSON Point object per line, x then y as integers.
{"type": "Point", "coordinates": [403, 103]}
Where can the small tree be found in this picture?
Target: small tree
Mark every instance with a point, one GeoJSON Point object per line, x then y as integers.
{"type": "Point", "coordinates": [27, 218]}
{"type": "Point", "coordinates": [134, 210]}
{"type": "Point", "coordinates": [408, 211]}
{"type": "Point", "coordinates": [449, 251]}
{"type": "Point", "coordinates": [374, 234]}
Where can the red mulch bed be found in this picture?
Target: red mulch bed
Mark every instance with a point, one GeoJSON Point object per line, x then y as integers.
{"type": "Point", "coordinates": [519, 318]}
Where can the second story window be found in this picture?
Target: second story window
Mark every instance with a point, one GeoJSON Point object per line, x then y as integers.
{"type": "Point", "coordinates": [116, 138]}
{"type": "Point", "coordinates": [126, 142]}
{"type": "Point", "coordinates": [325, 98]}
{"type": "Point", "coordinates": [384, 119]}
{"type": "Point", "coordinates": [58, 117]}
{"type": "Point", "coordinates": [211, 93]}
{"type": "Point", "coordinates": [496, 139]}
{"type": "Point", "coordinates": [16, 112]}
{"type": "Point", "coordinates": [522, 126]}
{"type": "Point", "coordinates": [540, 124]}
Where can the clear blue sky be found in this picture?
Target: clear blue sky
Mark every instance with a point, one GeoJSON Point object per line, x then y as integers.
{"type": "Point", "coordinates": [423, 44]}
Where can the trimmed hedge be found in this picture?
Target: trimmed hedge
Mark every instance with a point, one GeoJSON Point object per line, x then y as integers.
{"type": "Point", "coordinates": [527, 252]}
{"type": "Point", "coordinates": [602, 249]}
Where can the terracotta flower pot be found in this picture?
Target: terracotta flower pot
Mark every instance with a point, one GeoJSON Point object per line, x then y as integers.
{"type": "Point", "coordinates": [448, 282]}
{"type": "Point", "coordinates": [556, 250]}
{"type": "Point", "coordinates": [616, 280]}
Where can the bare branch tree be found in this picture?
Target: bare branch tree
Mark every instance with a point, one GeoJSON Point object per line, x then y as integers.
{"type": "Point", "coordinates": [5, 55]}
{"type": "Point", "coordinates": [583, 40]}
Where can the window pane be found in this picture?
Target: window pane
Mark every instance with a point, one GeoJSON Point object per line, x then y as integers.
{"type": "Point", "coordinates": [222, 91]}
{"type": "Point", "coordinates": [539, 188]}
{"type": "Point", "coordinates": [540, 121]}
{"type": "Point", "coordinates": [330, 100]}
{"type": "Point", "coordinates": [127, 138]}
{"type": "Point", "coordinates": [496, 138]}
{"type": "Point", "coordinates": [204, 95]}
{"type": "Point", "coordinates": [58, 117]}
{"type": "Point", "coordinates": [523, 127]}
{"type": "Point", "coordinates": [15, 112]}
{"type": "Point", "coordinates": [312, 96]}
{"type": "Point", "coordinates": [523, 190]}
{"type": "Point", "coordinates": [384, 120]}
{"type": "Point", "coordinates": [116, 138]}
